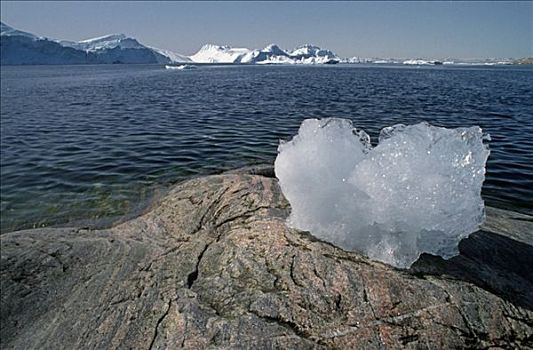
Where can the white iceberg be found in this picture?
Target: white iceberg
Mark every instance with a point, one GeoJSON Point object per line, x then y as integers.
{"type": "Point", "coordinates": [272, 54]}
{"type": "Point", "coordinates": [417, 62]}
{"type": "Point", "coordinates": [219, 54]}
{"type": "Point", "coordinates": [180, 67]}
{"type": "Point", "coordinates": [381, 62]}
{"type": "Point", "coordinates": [417, 191]}
{"type": "Point", "coordinates": [20, 47]}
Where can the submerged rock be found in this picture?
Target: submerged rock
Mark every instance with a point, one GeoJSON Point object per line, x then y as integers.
{"type": "Point", "coordinates": [213, 265]}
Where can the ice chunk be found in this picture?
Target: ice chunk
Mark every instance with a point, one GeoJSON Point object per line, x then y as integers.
{"type": "Point", "coordinates": [417, 191]}
{"type": "Point", "coordinates": [180, 67]}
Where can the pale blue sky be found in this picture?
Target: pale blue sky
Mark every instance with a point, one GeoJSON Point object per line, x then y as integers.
{"type": "Point", "coordinates": [366, 29]}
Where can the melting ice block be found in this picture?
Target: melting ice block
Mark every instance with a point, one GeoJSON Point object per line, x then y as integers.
{"type": "Point", "coordinates": [417, 191]}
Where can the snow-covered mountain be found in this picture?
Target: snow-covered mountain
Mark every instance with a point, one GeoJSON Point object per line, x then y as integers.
{"type": "Point", "coordinates": [105, 42]}
{"type": "Point", "coordinates": [310, 51]}
{"type": "Point", "coordinates": [272, 54]}
{"type": "Point", "coordinates": [7, 30]}
{"type": "Point", "coordinates": [172, 56]}
{"type": "Point", "coordinates": [18, 47]}
{"type": "Point", "coordinates": [219, 54]}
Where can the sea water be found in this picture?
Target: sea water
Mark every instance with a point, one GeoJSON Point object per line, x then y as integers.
{"type": "Point", "coordinates": [95, 142]}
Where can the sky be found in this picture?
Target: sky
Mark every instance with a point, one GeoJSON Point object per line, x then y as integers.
{"type": "Point", "coordinates": [365, 29]}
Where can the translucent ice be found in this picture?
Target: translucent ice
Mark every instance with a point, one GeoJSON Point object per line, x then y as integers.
{"type": "Point", "coordinates": [417, 191]}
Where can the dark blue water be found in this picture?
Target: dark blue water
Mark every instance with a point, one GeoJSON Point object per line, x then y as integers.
{"type": "Point", "coordinates": [89, 142]}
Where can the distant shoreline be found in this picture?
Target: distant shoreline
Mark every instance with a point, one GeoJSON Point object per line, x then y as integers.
{"type": "Point", "coordinates": [340, 64]}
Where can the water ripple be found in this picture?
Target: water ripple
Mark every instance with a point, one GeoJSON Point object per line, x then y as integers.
{"type": "Point", "coordinates": [84, 142]}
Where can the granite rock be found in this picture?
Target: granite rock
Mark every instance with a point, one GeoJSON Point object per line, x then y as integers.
{"type": "Point", "coordinates": [213, 265]}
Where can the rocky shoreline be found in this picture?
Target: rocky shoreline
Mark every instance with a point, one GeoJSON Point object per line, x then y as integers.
{"type": "Point", "coordinates": [213, 265]}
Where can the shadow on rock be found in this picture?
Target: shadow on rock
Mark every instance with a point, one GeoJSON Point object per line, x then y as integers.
{"type": "Point", "coordinates": [491, 261]}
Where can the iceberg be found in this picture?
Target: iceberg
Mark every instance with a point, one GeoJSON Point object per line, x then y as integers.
{"type": "Point", "coordinates": [417, 191]}
{"type": "Point", "coordinates": [308, 51]}
{"type": "Point", "coordinates": [171, 55]}
{"type": "Point", "coordinates": [119, 48]}
{"type": "Point", "coordinates": [417, 62]}
{"type": "Point", "coordinates": [311, 54]}
{"type": "Point", "coordinates": [6, 31]}
{"type": "Point", "coordinates": [20, 47]}
{"type": "Point", "coordinates": [110, 41]}
{"type": "Point", "coordinates": [180, 67]}
{"type": "Point", "coordinates": [210, 53]}
{"type": "Point", "coordinates": [272, 54]}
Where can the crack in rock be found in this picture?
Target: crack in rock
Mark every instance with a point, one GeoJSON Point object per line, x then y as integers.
{"type": "Point", "coordinates": [193, 276]}
{"type": "Point", "coordinates": [159, 321]}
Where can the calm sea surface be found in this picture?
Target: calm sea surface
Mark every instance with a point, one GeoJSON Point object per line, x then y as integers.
{"type": "Point", "coordinates": [91, 142]}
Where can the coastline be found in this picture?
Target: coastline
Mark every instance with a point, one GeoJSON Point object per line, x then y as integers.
{"type": "Point", "coordinates": [212, 263]}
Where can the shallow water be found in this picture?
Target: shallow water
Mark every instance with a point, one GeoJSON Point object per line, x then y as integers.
{"type": "Point", "coordinates": [87, 142]}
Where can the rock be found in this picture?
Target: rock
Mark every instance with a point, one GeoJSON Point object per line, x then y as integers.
{"type": "Point", "coordinates": [213, 265]}
{"type": "Point", "coordinates": [492, 260]}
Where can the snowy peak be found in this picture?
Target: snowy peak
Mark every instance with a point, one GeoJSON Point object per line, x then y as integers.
{"type": "Point", "coordinates": [6, 30]}
{"type": "Point", "coordinates": [275, 50]}
{"type": "Point", "coordinates": [123, 42]}
{"type": "Point", "coordinates": [110, 41]}
{"type": "Point", "coordinates": [25, 48]}
{"type": "Point", "coordinates": [113, 48]}
{"type": "Point", "coordinates": [307, 51]}
{"type": "Point", "coordinates": [105, 38]}
{"type": "Point", "coordinates": [19, 47]}
{"type": "Point", "coordinates": [210, 53]}
{"type": "Point", "coordinates": [171, 56]}
{"type": "Point", "coordinates": [306, 54]}
{"type": "Point", "coordinates": [212, 47]}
